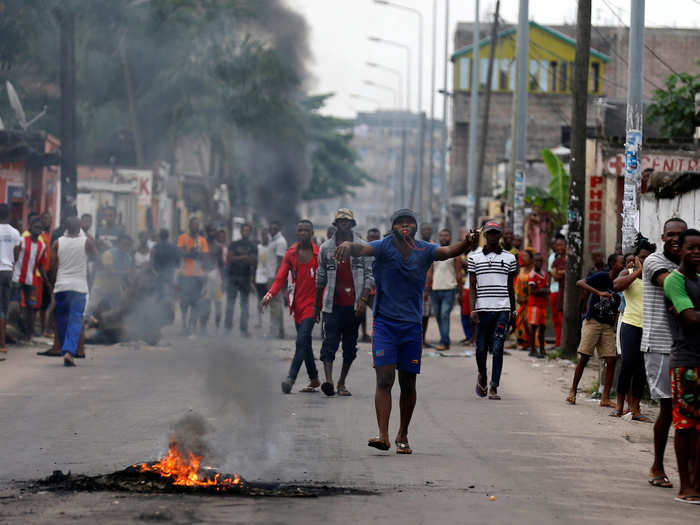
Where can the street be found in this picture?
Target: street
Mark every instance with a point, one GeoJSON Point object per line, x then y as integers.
{"type": "Point", "coordinates": [542, 460]}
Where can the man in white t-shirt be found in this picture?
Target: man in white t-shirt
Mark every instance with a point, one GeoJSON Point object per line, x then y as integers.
{"type": "Point", "coordinates": [9, 238]}
{"type": "Point", "coordinates": [278, 247]}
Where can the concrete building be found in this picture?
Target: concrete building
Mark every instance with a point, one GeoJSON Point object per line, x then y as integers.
{"type": "Point", "coordinates": [551, 55]}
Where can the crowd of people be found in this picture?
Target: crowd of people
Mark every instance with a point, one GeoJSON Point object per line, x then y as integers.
{"type": "Point", "coordinates": [639, 308]}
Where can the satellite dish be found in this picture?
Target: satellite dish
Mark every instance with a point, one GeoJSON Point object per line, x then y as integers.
{"type": "Point", "coordinates": [18, 109]}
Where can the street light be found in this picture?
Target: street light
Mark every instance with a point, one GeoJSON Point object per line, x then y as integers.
{"type": "Point", "coordinates": [408, 63]}
{"type": "Point", "coordinates": [391, 70]}
{"type": "Point", "coordinates": [357, 96]}
{"type": "Point", "coordinates": [385, 88]}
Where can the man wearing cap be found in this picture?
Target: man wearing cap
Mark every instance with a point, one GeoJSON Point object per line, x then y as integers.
{"type": "Point", "coordinates": [344, 287]}
{"type": "Point", "coordinates": [399, 270]}
{"type": "Point", "coordinates": [492, 302]}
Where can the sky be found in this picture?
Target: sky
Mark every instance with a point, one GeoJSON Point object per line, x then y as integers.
{"type": "Point", "coordinates": [339, 31]}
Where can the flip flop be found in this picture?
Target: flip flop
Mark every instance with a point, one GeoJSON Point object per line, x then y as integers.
{"type": "Point", "coordinates": [692, 500]}
{"type": "Point", "coordinates": [68, 363]}
{"type": "Point", "coordinates": [308, 390]}
{"type": "Point", "coordinates": [615, 413]}
{"type": "Point", "coordinates": [378, 443]}
{"type": "Point", "coordinates": [571, 399]}
{"type": "Point", "coordinates": [642, 418]}
{"type": "Point", "coordinates": [342, 391]}
{"type": "Point", "coordinates": [49, 353]}
{"type": "Point", "coordinates": [495, 397]}
{"type": "Point", "coordinates": [661, 482]}
{"type": "Point", "coordinates": [403, 448]}
{"type": "Point", "coordinates": [327, 388]}
{"type": "Point", "coordinates": [481, 391]}
{"type": "Point", "coordinates": [287, 386]}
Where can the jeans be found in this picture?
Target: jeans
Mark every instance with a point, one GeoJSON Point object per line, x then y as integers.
{"type": "Point", "coordinates": [443, 301]}
{"type": "Point", "coordinates": [232, 291]}
{"type": "Point", "coordinates": [303, 352]}
{"type": "Point", "coordinates": [467, 326]}
{"type": "Point", "coordinates": [70, 307]}
{"type": "Point", "coordinates": [342, 323]}
{"type": "Point", "coordinates": [491, 333]}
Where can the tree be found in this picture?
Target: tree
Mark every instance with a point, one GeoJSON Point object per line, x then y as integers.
{"type": "Point", "coordinates": [675, 105]}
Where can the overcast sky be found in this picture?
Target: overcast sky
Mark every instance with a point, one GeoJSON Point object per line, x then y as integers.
{"type": "Point", "coordinates": [340, 48]}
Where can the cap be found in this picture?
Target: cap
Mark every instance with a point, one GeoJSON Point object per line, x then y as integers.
{"type": "Point", "coordinates": [404, 212]}
{"type": "Point", "coordinates": [345, 213]}
{"type": "Point", "coordinates": [493, 226]}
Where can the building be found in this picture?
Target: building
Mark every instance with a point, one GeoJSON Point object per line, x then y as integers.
{"type": "Point", "coordinates": [551, 57]}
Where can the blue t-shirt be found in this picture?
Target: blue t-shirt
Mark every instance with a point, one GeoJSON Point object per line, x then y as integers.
{"type": "Point", "coordinates": [400, 281]}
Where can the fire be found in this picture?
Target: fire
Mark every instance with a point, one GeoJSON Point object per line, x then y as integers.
{"type": "Point", "coordinates": [184, 470]}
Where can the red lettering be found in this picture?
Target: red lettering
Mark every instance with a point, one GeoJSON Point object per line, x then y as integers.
{"type": "Point", "coordinates": [692, 164]}
{"type": "Point", "coordinates": [595, 217]}
{"type": "Point", "coordinates": [668, 165]}
{"type": "Point", "coordinates": [596, 194]}
{"type": "Point", "coordinates": [594, 234]}
{"type": "Point", "coordinates": [595, 206]}
{"type": "Point", "coordinates": [596, 180]}
{"type": "Point", "coordinates": [655, 163]}
{"type": "Point", "coordinates": [680, 164]}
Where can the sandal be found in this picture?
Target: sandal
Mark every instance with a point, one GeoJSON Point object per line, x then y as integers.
{"type": "Point", "coordinates": [378, 443]}
{"type": "Point", "coordinates": [571, 399]}
{"type": "Point", "coordinates": [661, 482]}
{"type": "Point", "coordinates": [642, 418]}
{"type": "Point", "coordinates": [342, 391]}
{"type": "Point", "coordinates": [327, 388]}
{"type": "Point", "coordinates": [402, 447]}
{"type": "Point", "coordinates": [312, 386]}
{"type": "Point", "coordinates": [480, 389]}
{"type": "Point", "coordinates": [693, 500]}
{"type": "Point", "coordinates": [615, 413]}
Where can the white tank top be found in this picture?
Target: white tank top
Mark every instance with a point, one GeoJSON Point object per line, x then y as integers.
{"type": "Point", "coordinates": [72, 265]}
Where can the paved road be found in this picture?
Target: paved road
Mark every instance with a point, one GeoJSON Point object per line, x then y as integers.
{"type": "Point", "coordinates": [544, 461]}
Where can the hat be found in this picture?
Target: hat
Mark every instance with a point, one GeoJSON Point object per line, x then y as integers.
{"type": "Point", "coordinates": [344, 213]}
{"type": "Point", "coordinates": [404, 212]}
{"type": "Point", "coordinates": [493, 226]}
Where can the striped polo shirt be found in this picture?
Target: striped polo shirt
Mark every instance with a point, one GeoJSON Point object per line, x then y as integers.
{"type": "Point", "coordinates": [31, 253]}
{"type": "Point", "coordinates": [656, 333]}
{"type": "Point", "coordinates": [492, 272]}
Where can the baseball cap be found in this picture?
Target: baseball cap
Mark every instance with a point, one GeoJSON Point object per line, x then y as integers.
{"type": "Point", "coordinates": [344, 213]}
{"type": "Point", "coordinates": [493, 226]}
{"type": "Point", "coordinates": [404, 212]}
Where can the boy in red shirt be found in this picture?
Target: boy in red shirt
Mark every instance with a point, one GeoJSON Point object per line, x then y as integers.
{"type": "Point", "coordinates": [30, 256]}
{"type": "Point", "coordinates": [301, 260]}
{"type": "Point", "coordinates": [537, 305]}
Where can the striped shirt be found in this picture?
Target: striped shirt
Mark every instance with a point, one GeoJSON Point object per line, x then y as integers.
{"type": "Point", "coordinates": [492, 270]}
{"type": "Point", "coordinates": [30, 252]}
{"type": "Point", "coordinates": [656, 333]}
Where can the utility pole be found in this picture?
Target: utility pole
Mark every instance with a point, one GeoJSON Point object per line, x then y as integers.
{"type": "Point", "coordinates": [577, 181]}
{"type": "Point", "coordinates": [443, 138]}
{"type": "Point", "coordinates": [516, 167]}
{"type": "Point", "coordinates": [431, 167]}
{"type": "Point", "coordinates": [69, 168]}
{"type": "Point", "coordinates": [473, 124]}
{"type": "Point", "coordinates": [487, 105]}
{"type": "Point", "coordinates": [633, 141]}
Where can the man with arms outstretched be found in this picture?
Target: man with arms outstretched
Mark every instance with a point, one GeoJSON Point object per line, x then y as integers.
{"type": "Point", "coordinates": [400, 267]}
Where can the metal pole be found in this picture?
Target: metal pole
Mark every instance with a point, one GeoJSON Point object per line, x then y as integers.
{"type": "Point", "coordinates": [473, 125]}
{"type": "Point", "coordinates": [421, 116]}
{"type": "Point", "coordinates": [402, 202]}
{"type": "Point", "coordinates": [635, 114]}
{"type": "Point", "coordinates": [69, 166]}
{"type": "Point", "coordinates": [443, 138]}
{"type": "Point", "coordinates": [517, 165]}
{"type": "Point", "coordinates": [431, 166]}
{"type": "Point", "coordinates": [487, 105]}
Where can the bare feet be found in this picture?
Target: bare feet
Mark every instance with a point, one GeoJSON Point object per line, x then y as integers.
{"type": "Point", "coordinates": [68, 360]}
{"type": "Point", "coordinates": [607, 403]}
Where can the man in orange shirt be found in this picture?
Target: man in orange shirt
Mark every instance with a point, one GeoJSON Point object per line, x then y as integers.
{"type": "Point", "coordinates": [192, 246]}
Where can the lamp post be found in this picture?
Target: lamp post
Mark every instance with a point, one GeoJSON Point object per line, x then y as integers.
{"type": "Point", "coordinates": [396, 72]}
{"type": "Point", "coordinates": [385, 88]}
{"type": "Point", "coordinates": [364, 98]}
{"type": "Point", "coordinates": [408, 63]}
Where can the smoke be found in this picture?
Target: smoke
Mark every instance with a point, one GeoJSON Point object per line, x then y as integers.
{"type": "Point", "coordinates": [189, 434]}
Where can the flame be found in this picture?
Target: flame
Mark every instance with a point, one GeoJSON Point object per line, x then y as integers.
{"type": "Point", "coordinates": [184, 470]}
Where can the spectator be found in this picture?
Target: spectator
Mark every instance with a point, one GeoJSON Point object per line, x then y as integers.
{"type": "Point", "coordinates": [556, 265]}
{"type": "Point", "coordinates": [165, 259]}
{"type": "Point", "coordinates": [30, 257]}
{"type": "Point", "coordinates": [538, 285]}
{"type": "Point", "coordinates": [242, 258]}
{"type": "Point", "coordinates": [522, 293]}
{"type": "Point", "coordinates": [9, 240]}
{"type": "Point", "coordinates": [373, 234]}
{"type": "Point", "coordinates": [265, 269]}
{"type": "Point", "coordinates": [445, 280]}
{"type": "Point", "coordinates": [598, 332]}
{"type": "Point", "coordinates": [110, 232]}
{"type": "Point", "coordinates": [192, 249]}
{"type": "Point", "coordinates": [426, 234]}
{"type": "Point", "coordinates": [142, 255]}
{"type": "Point", "coordinates": [278, 247]}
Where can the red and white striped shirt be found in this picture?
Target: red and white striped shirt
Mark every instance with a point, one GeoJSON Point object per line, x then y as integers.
{"type": "Point", "coordinates": [30, 253]}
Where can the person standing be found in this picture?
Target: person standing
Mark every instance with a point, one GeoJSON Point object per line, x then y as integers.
{"type": "Point", "coordinates": [556, 265]}
{"type": "Point", "coordinates": [43, 290]}
{"type": "Point", "coordinates": [598, 330]}
{"type": "Point", "coordinates": [142, 255]}
{"type": "Point", "coordinates": [522, 295]}
{"type": "Point", "coordinates": [109, 233]}
{"type": "Point", "coordinates": [165, 259]}
{"type": "Point", "coordinates": [657, 340]}
{"type": "Point", "coordinates": [492, 301]}
{"type": "Point", "coordinates": [445, 281]}
{"type": "Point", "coordinates": [682, 289]}
{"type": "Point", "coordinates": [400, 267]}
{"type": "Point", "coordinates": [538, 285]}
{"type": "Point", "coordinates": [373, 234]}
{"type": "Point", "coordinates": [632, 373]}
{"type": "Point", "coordinates": [301, 260]}
{"type": "Point", "coordinates": [278, 247]}
{"type": "Point", "coordinates": [507, 242]}
{"type": "Point", "coordinates": [69, 264]}
{"type": "Point", "coordinates": [241, 259]}
{"type": "Point", "coordinates": [426, 235]}
{"type": "Point", "coordinates": [343, 287]}
{"type": "Point", "coordinates": [192, 247]}
{"type": "Point", "coordinates": [9, 240]}
{"type": "Point", "coordinates": [30, 257]}
{"type": "Point", "coordinates": [265, 270]}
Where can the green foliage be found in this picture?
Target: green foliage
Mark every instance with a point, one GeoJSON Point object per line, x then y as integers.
{"type": "Point", "coordinates": [675, 105]}
{"type": "Point", "coordinates": [553, 202]}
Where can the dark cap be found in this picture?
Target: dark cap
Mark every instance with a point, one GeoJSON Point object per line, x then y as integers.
{"type": "Point", "coordinates": [404, 212]}
{"type": "Point", "coordinates": [493, 226]}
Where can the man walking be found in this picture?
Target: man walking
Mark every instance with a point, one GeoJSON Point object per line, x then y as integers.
{"type": "Point", "coordinates": [598, 330]}
{"type": "Point", "coordinates": [192, 247]}
{"type": "Point", "coordinates": [278, 247]}
{"type": "Point", "coordinates": [69, 261]}
{"type": "Point", "coordinates": [9, 239]}
{"type": "Point", "coordinates": [165, 259]}
{"type": "Point", "coordinates": [301, 260]}
{"type": "Point", "coordinates": [445, 280]}
{"type": "Point", "coordinates": [241, 259]}
{"type": "Point", "coordinates": [400, 267]}
{"type": "Point", "coordinates": [265, 270]}
{"type": "Point", "coordinates": [657, 340]}
{"type": "Point", "coordinates": [682, 288]}
{"type": "Point", "coordinates": [492, 302]}
{"type": "Point", "coordinates": [344, 287]}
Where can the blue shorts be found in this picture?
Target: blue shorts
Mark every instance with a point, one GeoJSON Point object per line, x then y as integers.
{"type": "Point", "coordinates": [397, 343]}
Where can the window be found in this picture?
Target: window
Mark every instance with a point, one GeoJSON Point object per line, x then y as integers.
{"type": "Point", "coordinates": [503, 74]}
{"type": "Point", "coordinates": [553, 75]}
{"type": "Point", "coordinates": [564, 77]}
{"type": "Point", "coordinates": [482, 72]}
{"type": "Point", "coordinates": [544, 76]}
{"type": "Point", "coordinates": [464, 67]}
{"type": "Point", "coordinates": [532, 77]}
{"type": "Point", "coordinates": [595, 77]}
